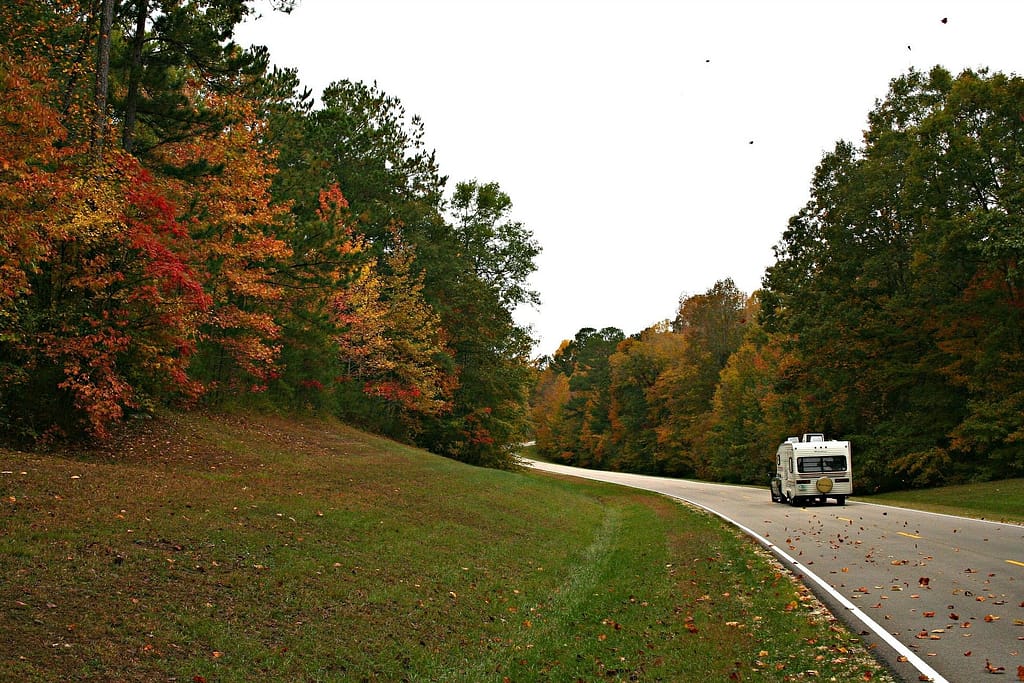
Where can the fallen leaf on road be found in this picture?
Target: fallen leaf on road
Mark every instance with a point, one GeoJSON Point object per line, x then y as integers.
{"type": "Point", "coordinates": [993, 669]}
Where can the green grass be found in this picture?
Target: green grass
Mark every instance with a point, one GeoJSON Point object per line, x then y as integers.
{"type": "Point", "coordinates": [994, 500]}
{"type": "Point", "coordinates": [238, 549]}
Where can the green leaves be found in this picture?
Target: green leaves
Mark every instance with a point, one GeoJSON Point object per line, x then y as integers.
{"type": "Point", "coordinates": [899, 277]}
{"type": "Point", "coordinates": [892, 315]}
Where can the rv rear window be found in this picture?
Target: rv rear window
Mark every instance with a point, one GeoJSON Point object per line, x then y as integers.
{"type": "Point", "coordinates": [822, 463]}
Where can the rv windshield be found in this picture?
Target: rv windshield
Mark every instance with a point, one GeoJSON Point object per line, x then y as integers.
{"type": "Point", "coordinates": [822, 463]}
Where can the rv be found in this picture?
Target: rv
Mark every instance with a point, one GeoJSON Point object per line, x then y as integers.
{"type": "Point", "coordinates": [809, 469]}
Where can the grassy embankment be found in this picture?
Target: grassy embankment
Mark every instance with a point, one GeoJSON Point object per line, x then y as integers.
{"type": "Point", "coordinates": [230, 549]}
{"type": "Point", "coordinates": [1001, 501]}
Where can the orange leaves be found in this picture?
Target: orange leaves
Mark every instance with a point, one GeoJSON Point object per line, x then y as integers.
{"type": "Point", "coordinates": [333, 207]}
{"type": "Point", "coordinates": [105, 290]}
{"type": "Point", "coordinates": [31, 178]}
{"type": "Point", "coordinates": [389, 336]}
{"type": "Point", "coordinates": [110, 273]}
{"type": "Point", "coordinates": [232, 222]}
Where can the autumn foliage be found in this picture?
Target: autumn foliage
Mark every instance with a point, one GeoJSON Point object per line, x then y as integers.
{"type": "Point", "coordinates": [98, 293]}
{"type": "Point", "coordinates": [176, 229]}
{"type": "Point", "coordinates": [892, 317]}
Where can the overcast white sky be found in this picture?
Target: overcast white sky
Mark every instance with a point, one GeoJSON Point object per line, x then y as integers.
{"type": "Point", "coordinates": [622, 129]}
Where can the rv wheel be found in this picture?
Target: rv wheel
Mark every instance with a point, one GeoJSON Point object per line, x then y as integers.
{"type": "Point", "coordinates": [841, 500]}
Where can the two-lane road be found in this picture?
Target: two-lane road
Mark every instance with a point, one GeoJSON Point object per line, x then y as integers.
{"type": "Point", "coordinates": [941, 597]}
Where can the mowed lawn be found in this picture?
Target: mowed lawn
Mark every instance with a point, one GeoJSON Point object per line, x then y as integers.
{"type": "Point", "coordinates": [993, 500]}
{"type": "Point", "coordinates": [215, 548]}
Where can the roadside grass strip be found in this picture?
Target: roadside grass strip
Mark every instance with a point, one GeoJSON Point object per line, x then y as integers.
{"type": "Point", "coordinates": [240, 548]}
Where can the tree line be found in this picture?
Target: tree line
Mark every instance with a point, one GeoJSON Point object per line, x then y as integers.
{"type": "Point", "coordinates": [892, 316]}
{"type": "Point", "coordinates": [180, 225]}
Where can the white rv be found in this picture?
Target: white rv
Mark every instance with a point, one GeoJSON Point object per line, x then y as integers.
{"type": "Point", "coordinates": [810, 469]}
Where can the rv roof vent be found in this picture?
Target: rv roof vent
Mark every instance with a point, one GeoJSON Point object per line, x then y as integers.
{"type": "Point", "coordinates": [814, 437]}
{"type": "Point", "coordinates": [793, 439]}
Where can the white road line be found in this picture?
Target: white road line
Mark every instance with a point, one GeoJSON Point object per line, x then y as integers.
{"type": "Point", "coordinates": [861, 501]}
{"type": "Point", "coordinates": [918, 663]}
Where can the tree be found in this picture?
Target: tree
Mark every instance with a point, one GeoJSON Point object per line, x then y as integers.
{"type": "Point", "coordinates": [745, 419]}
{"type": "Point", "coordinates": [390, 344]}
{"type": "Point", "coordinates": [472, 264]}
{"type": "Point", "coordinates": [634, 412]}
{"type": "Point", "coordinates": [712, 326]}
{"type": "Point", "coordinates": [580, 436]}
{"type": "Point", "coordinates": [100, 299]}
{"type": "Point", "coordinates": [547, 400]}
{"type": "Point", "coordinates": [887, 280]}
{"type": "Point", "coordinates": [474, 288]}
{"type": "Point", "coordinates": [232, 221]}
{"type": "Point", "coordinates": [169, 48]}
{"type": "Point", "coordinates": [364, 141]}
{"type": "Point", "coordinates": [500, 251]}
{"type": "Point", "coordinates": [968, 264]}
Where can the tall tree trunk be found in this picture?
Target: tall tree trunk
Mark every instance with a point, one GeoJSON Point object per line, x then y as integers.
{"type": "Point", "coordinates": [102, 74]}
{"type": "Point", "coordinates": [131, 106]}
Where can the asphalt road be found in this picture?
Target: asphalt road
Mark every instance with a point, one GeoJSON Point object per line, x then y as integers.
{"type": "Point", "coordinates": [940, 598]}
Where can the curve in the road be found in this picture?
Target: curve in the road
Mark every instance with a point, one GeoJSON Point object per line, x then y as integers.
{"type": "Point", "coordinates": [911, 657]}
{"type": "Point", "coordinates": [926, 672]}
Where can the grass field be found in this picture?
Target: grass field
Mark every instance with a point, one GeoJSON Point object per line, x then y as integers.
{"type": "Point", "coordinates": [994, 500]}
{"type": "Point", "coordinates": [201, 548]}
